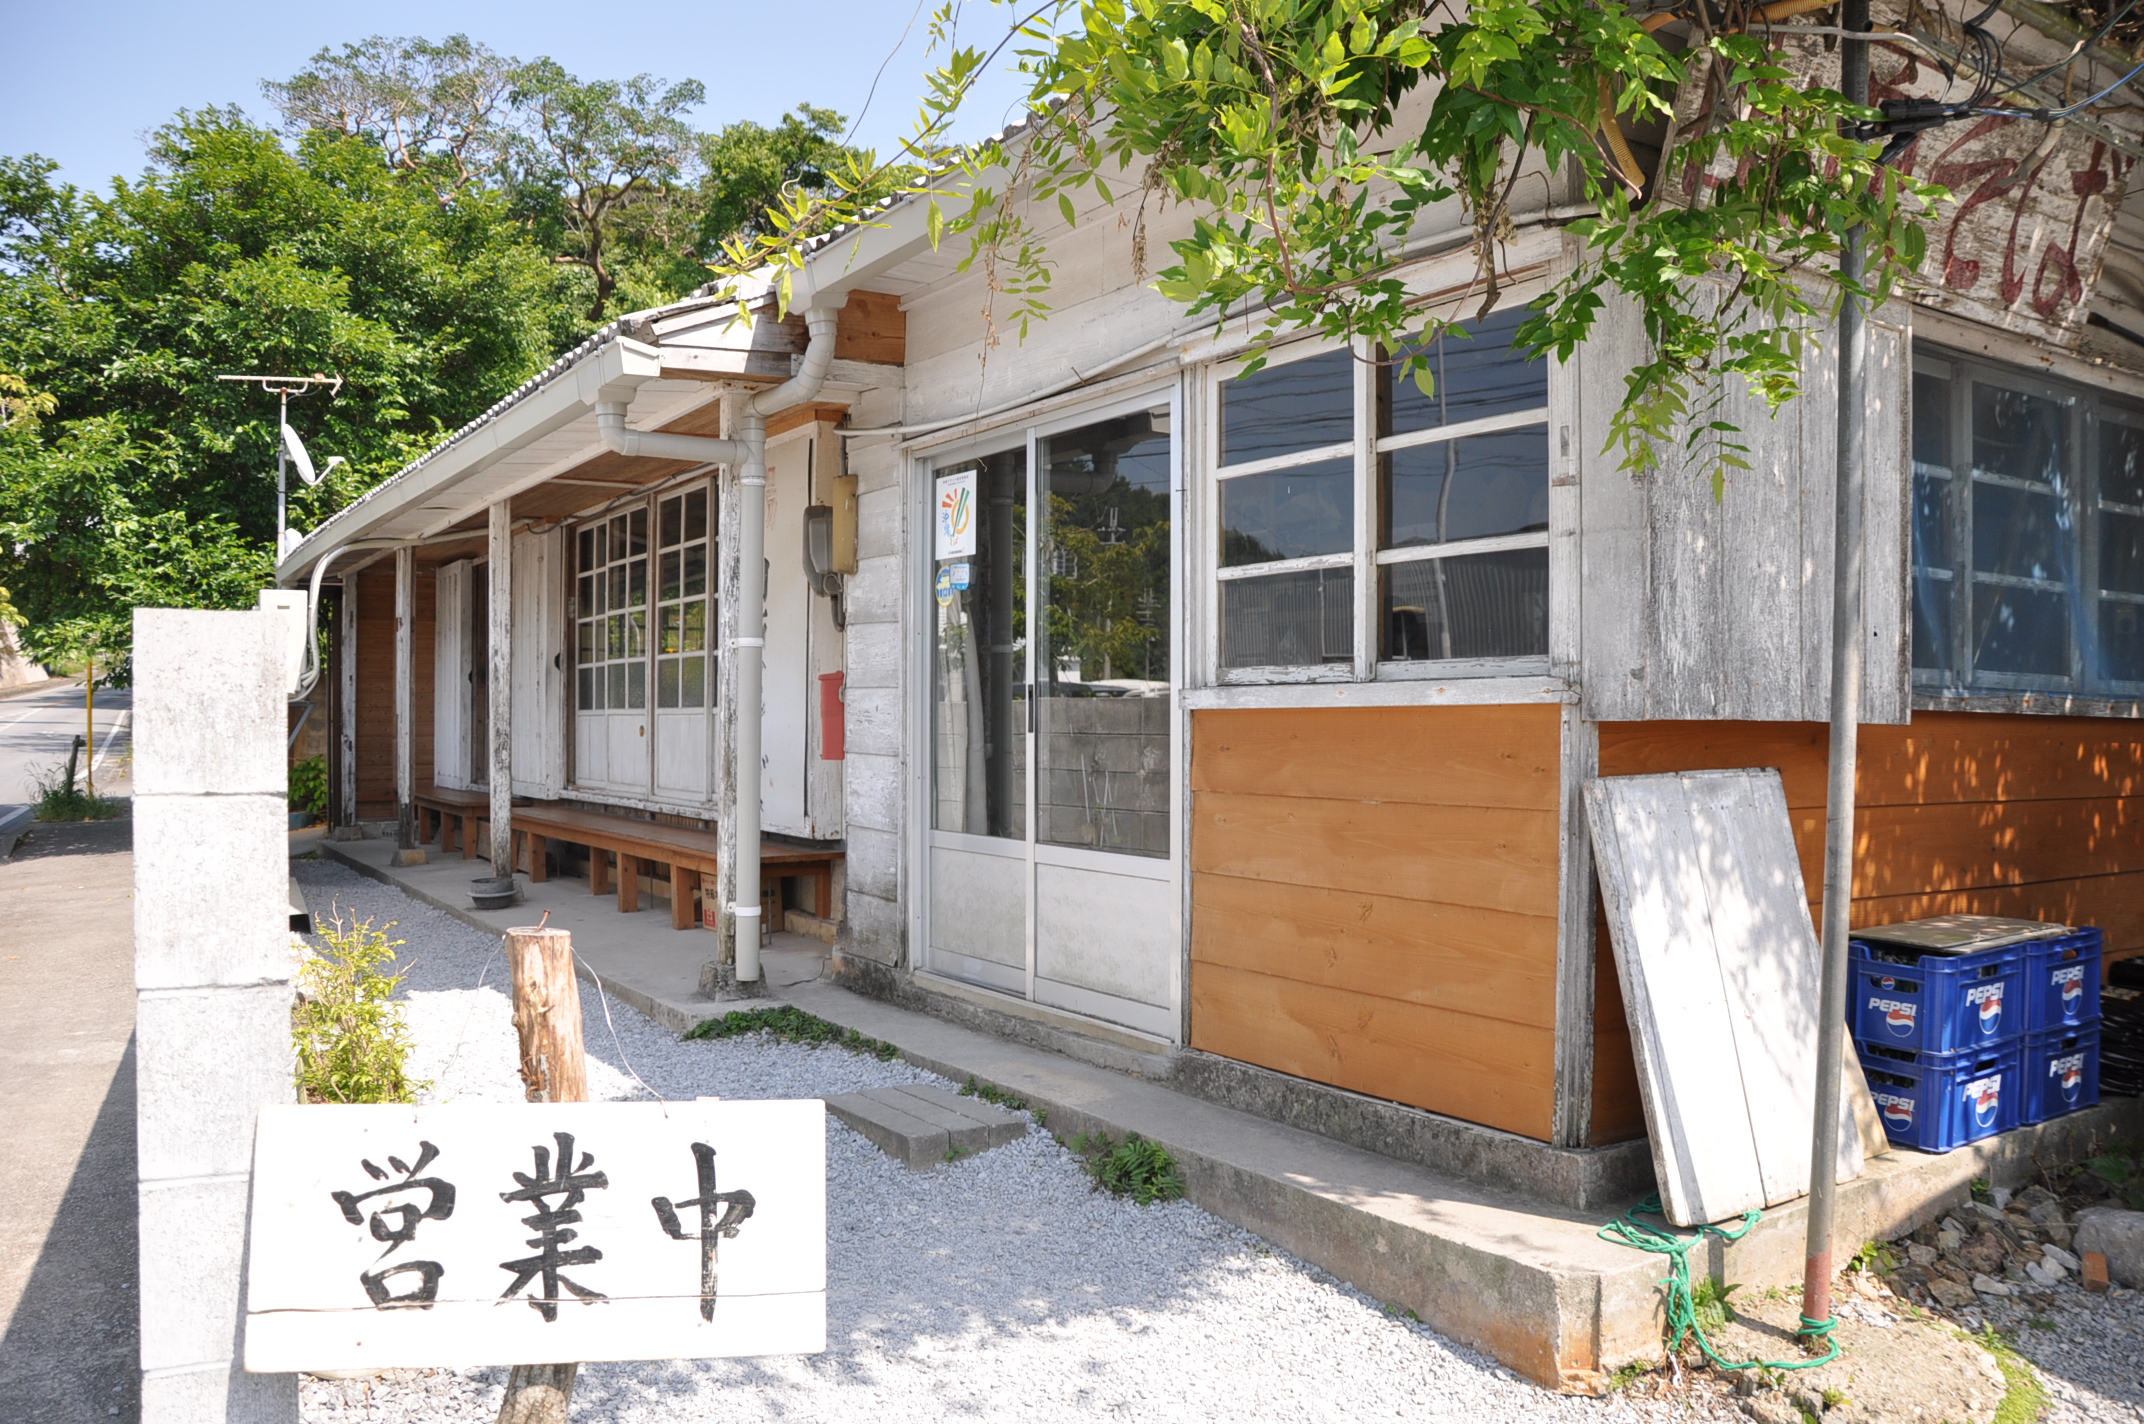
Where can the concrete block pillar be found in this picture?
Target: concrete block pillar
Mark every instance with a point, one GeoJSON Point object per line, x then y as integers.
{"type": "Point", "coordinates": [212, 972]}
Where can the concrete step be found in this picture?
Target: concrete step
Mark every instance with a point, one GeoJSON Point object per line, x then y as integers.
{"type": "Point", "coordinates": [926, 1126]}
{"type": "Point", "coordinates": [1529, 1283]}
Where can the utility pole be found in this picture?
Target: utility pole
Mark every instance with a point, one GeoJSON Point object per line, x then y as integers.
{"type": "Point", "coordinates": [284, 387]}
{"type": "Point", "coordinates": [1847, 656]}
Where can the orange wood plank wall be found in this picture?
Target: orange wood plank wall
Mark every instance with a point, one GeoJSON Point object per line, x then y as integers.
{"type": "Point", "coordinates": [376, 685]}
{"type": "Point", "coordinates": [1374, 902]}
{"type": "Point", "coordinates": [1960, 812]}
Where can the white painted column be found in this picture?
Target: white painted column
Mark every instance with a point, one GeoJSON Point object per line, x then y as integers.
{"type": "Point", "coordinates": [212, 972]}
{"type": "Point", "coordinates": [499, 609]}
{"type": "Point", "coordinates": [346, 692]}
{"type": "Point", "coordinates": [405, 707]}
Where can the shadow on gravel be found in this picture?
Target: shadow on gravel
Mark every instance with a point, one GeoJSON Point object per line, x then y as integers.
{"type": "Point", "coordinates": [72, 1350]}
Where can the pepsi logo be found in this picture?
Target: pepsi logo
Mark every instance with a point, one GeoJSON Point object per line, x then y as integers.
{"type": "Point", "coordinates": [1898, 1015]}
{"type": "Point", "coordinates": [1897, 1112]}
{"type": "Point", "coordinates": [2072, 982]}
{"type": "Point", "coordinates": [2070, 1072]}
{"type": "Point", "coordinates": [1985, 1094]}
{"type": "Point", "coordinates": [1989, 997]}
{"type": "Point", "coordinates": [1886, 983]}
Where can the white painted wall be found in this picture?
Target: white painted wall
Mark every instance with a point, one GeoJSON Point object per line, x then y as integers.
{"type": "Point", "coordinates": [450, 675]}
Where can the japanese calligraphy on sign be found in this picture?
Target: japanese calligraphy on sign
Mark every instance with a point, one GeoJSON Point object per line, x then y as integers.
{"type": "Point", "coordinates": [474, 1234]}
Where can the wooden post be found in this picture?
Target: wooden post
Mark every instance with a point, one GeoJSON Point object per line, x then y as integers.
{"type": "Point", "coordinates": [554, 1069]}
{"type": "Point", "coordinates": [346, 729]}
{"type": "Point", "coordinates": [406, 852]}
{"type": "Point", "coordinates": [499, 694]}
{"type": "Point", "coordinates": [89, 719]}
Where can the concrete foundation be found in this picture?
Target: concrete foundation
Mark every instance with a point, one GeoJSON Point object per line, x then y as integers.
{"type": "Point", "coordinates": [924, 1127]}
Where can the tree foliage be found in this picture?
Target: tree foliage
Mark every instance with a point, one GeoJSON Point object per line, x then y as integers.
{"type": "Point", "coordinates": [1317, 140]}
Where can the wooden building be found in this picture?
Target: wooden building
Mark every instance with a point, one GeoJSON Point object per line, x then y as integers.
{"type": "Point", "coordinates": [1245, 717]}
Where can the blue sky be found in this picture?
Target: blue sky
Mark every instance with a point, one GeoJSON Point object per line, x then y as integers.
{"type": "Point", "coordinates": [83, 82]}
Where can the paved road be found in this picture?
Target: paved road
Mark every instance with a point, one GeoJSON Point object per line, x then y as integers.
{"type": "Point", "coordinates": [69, 1330]}
{"type": "Point", "coordinates": [36, 729]}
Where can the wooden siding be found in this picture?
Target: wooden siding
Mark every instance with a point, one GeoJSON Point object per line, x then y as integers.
{"type": "Point", "coordinates": [376, 686]}
{"type": "Point", "coordinates": [1373, 902]}
{"type": "Point", "coordinates": [1959, 812]}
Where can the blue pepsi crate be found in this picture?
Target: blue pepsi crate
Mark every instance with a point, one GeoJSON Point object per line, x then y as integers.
{"type": "Point", "coordinates": [2061, 1071]}
{"type": "Point", "coordinates": [2062, 980]}
{"type": "Point", "coordinates": [1940, 1003]}
{"type": "Point", "coordinates": [1937, 1101]}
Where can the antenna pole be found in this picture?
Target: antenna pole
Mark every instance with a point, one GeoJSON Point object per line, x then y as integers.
{"type": "Point", "coordinates": [282, 499]}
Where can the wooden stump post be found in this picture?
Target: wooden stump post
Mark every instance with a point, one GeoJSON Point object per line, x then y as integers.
{"type": "Point", "coordinates": [554, 1069]}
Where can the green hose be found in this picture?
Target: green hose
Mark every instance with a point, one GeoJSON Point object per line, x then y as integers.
{"type": "Point", "coordinates": [1627, 1230]}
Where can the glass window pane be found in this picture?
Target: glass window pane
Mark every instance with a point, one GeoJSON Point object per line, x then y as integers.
{"type": "Point", "coordinates": [671, 565]}
{"type": "Point", "coordinates": [636, 633]}
{"type": "Point", "coordinates": [1288, 514]}
{"type": "Point", "coordinates": [666, 630]}
{"type": "Point", "coordinates": [672, 511]}
{"type": "Point", "coordinates": [694, 638]}
{"type": "Point", "coordinates": [1474, 488]}
{"type": "Point", "coordinates": [636, 583]}
{"type": "Point", "coordinates": [2023, 436]}
{"type": "Point", "coordinates": [692, 681]}
{"type": "Point", "coordinates": [636, 691]}
{"type": "Point", "coordinates": [1931, 421]}
{"type": "Point", "coordinates": [979, 663]}
{"type": "Point", "coordinates": [614, 643]}
{"type": "Point", "coordinates": [1931, 521]}
{"type": "Point", "coordinates": [666, 682]}
{"type": "Point", "coordinates": [2020, 630]}
{"type": "Point", "coordinates": [617, 587]}
{"type": "Point", "coordinates": [637, 533]}
{"type": "Point", "coordinates": [695, 570]}
{"type": "Point", "coordinates": [587, 681]}
{"type": "Point", "coordinates": [695, 515]}
{"type": "Point", "coordinates": [1476, 606]}
{"type": "Point", "coordinates": [1285, 408]}
{"type": "Point", "coordinates": [585, 597]}
{"type": "Point", "coordinates": [587, 652]}
{"type": "Point", "coordinates": [1102, 752]}
{"type": "Point", "coordinates": [1932, 602]}
{"type": "Point", "coordinates": [617, 686]}
{"type": "Point", "coordinates": [1301, 619]}
{"type": "Point", "coordinates": [588, 549]}
{"type": "Point", "coordinates": [1476, 374]}
{"type": "Point", "coordinates": [2121, 553]}
{"type": "Point", "coordinates": [2121, 641]}
{"type": "Point", "coordinates": [2019, 532]}
{"type": "Point", "coordinates": [2121, 464]}
{"type": "Point", "coordinates": [616, 551]}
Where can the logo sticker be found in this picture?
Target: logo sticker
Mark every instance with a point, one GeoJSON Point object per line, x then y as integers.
{"type": "Point", "coordinates": [1898, 1015]}
{"type": "Point", "coordinates": [1897, 1112]}
{"type": "Point", "coordinates": [1985, 1095]}
{"type": "Point", "coordinates": [2072, 982]}
{"type": "Point", "coordinates": [2070, 1073]}
{"type": "Point", "coordinates": [1990, 999]}
{"type": "Point", "coordinates": [954, 516]}
{"type": "Point", "coordinates": [963, 574]}
{"type": "Point", "coordinates": [944, 587]}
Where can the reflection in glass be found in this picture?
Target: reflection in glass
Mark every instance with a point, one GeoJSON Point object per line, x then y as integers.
{"type": "Point", "coordinates": [1301, 405]}
{"type": "Point", "coordinates": [1102, 574]}
{"type": "Point", "coordinates": [1288, 514]}
{"type": "Point", "coordinates": [2021, 630]}
{"type": "Point", "coordinates": [1473, 606]}
{"type": "Point", "coordinates": [2121, 640]}
{"type": "Point", "coordinates": [1474, 488]}
{"type": "Point", "coordinates": [2024, 437]}
{"type": "Point", "coordinates": [1474, 375]}
{"type": "Point", "coordinates": [1931, 421]}
{"type": "Point", "coordinates": [978, 671]}
{"type": "Point", "coordinates": [1302, 619]}
{"type": "Point", "coordinates": [2021, 533]}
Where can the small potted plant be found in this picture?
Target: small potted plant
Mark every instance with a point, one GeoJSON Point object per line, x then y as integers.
{"type": "Point", "coordinates": [308, 792]}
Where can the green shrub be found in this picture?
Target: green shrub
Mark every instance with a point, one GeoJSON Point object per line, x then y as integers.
{"type": "Point", "coordinates": [59, 799]}
{"type": "Point", "coordinates": [309, 786]}
{"type": "Point", "coordinates": [1136, 1167]}
{"type": "Point", "coordinates": [353, 1046]}
{"type": "Point", "coordinates": [791, 1025]}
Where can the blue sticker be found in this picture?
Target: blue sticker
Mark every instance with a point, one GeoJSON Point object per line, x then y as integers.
{"type": "Point", "coordinates": [945, 586]}
{"type": "Point", "coordinates": [960, 576]}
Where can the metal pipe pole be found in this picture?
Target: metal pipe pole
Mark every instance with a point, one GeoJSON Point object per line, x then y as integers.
{"type": "Point", "coordinates": [282, 454]}
{"type": "Point", "coordinates": [1846, 668]}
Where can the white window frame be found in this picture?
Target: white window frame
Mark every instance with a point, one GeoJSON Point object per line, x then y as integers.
{"type": "Point", "coordinates": [1203, 552]}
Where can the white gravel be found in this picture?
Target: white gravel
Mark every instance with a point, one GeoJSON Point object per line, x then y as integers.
{"type": "Point", "coordinates": [1002, 1287]}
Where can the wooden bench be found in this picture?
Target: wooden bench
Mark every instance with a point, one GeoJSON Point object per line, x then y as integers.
{"type": "Point", "coordinates": [690, 854]}
{"type": "Point", "coordinates": [441, 808]}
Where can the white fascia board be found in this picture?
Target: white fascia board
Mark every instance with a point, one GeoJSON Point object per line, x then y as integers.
{"type": "Point", "coordinates": [396, 509]}
{"type": "Point", "coordinates": [852, 260]}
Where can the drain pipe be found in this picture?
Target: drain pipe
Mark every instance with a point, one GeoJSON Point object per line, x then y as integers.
{"type": "Point", "coordinates": [748, 454]}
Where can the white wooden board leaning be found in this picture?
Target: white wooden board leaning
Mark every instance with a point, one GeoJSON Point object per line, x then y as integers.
{"type": "Point", "coordinates": [1719, 967]}
{"type": "Point", "coordinates": [396, 1237]}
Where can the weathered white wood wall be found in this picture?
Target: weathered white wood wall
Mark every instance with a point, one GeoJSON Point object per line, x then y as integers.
{"type": "Point", "coordinates": [450, 681]}
{"type": "Point", "coordinates": [1696, 607]}
{"type": "Point", "coordinates": [541, 679]}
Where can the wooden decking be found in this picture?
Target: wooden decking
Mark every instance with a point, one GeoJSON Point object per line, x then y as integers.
{"type": "Point", "coordinates": [633, 845]}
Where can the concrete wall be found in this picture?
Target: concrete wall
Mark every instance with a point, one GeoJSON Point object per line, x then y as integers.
{"type": "Point", "coordinates": [213, 995]}
{"type": "Point", "coordinates": [874, 787]}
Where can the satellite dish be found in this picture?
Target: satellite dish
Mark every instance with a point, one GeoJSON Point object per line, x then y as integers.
{"type": "Point", "coordinates": [298, 457]}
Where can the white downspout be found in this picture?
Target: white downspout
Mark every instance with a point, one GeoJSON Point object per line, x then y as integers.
{"type": "Point", "coordinates": [748, 453]}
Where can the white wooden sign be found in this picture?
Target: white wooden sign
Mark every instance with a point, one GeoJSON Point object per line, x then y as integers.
{"type": "Point", "coordinates": [954, 517]}
{"type": "Point", "coordinates": [1719, 965]}
{"type": "Point", "coordinates": [535, 1233]}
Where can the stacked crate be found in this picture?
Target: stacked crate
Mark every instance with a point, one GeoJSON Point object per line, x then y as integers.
{"type": "Point", "coordinates": [1969, 1025]}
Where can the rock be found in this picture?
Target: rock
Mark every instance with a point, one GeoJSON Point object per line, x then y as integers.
{"type": "Point", "coordinates": [2059, 1234]}
{"type": "Point", "coordinates": [2013, 1271]}
{"type": "Point", "coordinates": [1951, 1223]}
{"type": "Point", "coordinates": [2060, 1257]}
{"type": "Point", "coordinates": [1984, 1211]}
{"type": "Point", "coordinates": [1951, 1293]}
{"type": "Point", "coordinates": [2119, 1236]}
{"type": "Point", "coordinates": [2036, 1195]}
{"type": "Point", "coordinates": [1949, 1240]}
{"type": "Point", "coordinates": [2001, 1197]}
{"type": "Point", "coordinates": [2046, 1278]}
{"type": "Point", "coordinates": [1988, 1285]}
{"type": "Point", "coordinates": [1921, 1255]}
{"type": "Point", "coordinates": [2045, 1214]}
{"type": "Point", "coordinates": [1771, 1411]}
{"type": "Point", "coordinates": [1984, 1252]}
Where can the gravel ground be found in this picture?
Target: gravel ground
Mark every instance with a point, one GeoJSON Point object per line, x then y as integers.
{"type": "Point", "coordinates": [2090, 1350]}
{"type": "Point", "coordinates": [1001, 1287]}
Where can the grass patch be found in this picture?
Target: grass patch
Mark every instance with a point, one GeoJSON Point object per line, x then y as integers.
{"type": "Point", "coordinates": [352, 1043]}
{"type": "Point", "coordinates": [792, 1025]}
{"type": "Point", "coordinates": [1136, 1167]}
{"type": "Point", "coordinates": [59, 799]}
{"type": "Point", "coordinates": [1874, 1257]}
{"type": "Point", "coordinates": [2024, 1400]}
{"type": "Point", "coordinates": [1629, 1375]}
{"type": "Point", "coordinates": [989, 1093]}
{"type": "Point", "coordinates": [1714, 1308]}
